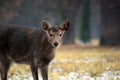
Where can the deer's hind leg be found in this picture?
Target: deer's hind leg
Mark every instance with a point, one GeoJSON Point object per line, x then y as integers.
{"type": "Point", "coordinates": [4, 67]}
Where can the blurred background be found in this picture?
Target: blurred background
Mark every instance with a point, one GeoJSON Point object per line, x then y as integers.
{"type": "Point", "coordinates": [93, 23]}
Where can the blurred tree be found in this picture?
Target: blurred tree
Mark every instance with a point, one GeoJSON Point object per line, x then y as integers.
{"type": "Point", "coordinates": [85, 30]}
{"type": "Point", "coordinates": [95, 22]}
{"type": "Point", "coordinates": [69, 10]}
{"type": "Point", "coordinates": [32, 12]}
{"type": "Point", "coordinates": [8, 10]}
{"type": "Point", "coordinates": [110, 22]}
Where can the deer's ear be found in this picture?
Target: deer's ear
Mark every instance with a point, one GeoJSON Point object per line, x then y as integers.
{"type": "Point", "coordinates": [46, 25]}
{"type": "Point", "coordinates": [65, 25]}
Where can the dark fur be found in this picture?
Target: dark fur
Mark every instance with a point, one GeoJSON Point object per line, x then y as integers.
{"type": "Point", "coordinates": [29, 46]}
{"type": "Point", "coordinates": [24, 45]}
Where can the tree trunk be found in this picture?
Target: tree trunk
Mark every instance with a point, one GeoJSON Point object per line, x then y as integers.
{"type": "Point", "coordinates": [95, 22]}
{"type": "Point", "coordinates": [110, 22]}
{"type": "Point", "coordinates": [69, 10]}
{"type": "Point", "coordinates": [85, 31]}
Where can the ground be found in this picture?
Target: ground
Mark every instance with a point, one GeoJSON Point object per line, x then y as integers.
{"type": "Point", "coordinates": [77, 63]}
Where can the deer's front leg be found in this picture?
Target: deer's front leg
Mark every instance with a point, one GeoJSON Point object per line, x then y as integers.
{"type": "Point", "coordinates": [44, 72]}
{"type": "Point", "coordinates": [34, 71]}
{"type": "Point", "coordinates": [5, 65]}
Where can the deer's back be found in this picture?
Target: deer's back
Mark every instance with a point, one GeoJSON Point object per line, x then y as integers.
{"type": "Point", "coordinates": [17, 42]}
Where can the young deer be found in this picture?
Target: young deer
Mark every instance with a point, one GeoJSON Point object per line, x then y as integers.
{"type": "Point", "coordinates": [29, 46]}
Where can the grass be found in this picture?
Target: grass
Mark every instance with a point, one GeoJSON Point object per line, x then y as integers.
{"type": "Point", "coordinates": [79, 61]}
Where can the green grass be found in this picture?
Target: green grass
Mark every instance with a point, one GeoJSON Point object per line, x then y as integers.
{"type": "Point", "coordinates": [83, 61]}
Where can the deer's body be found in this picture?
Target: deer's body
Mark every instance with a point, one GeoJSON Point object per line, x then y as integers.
{"type": "Point", "coordinates": [28, 46]}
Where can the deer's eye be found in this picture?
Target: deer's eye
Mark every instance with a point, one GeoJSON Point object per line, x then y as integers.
{"type": "Point", "coordinates": [51, 35]}
{"type": "Point", "coordinates": [60, 34]}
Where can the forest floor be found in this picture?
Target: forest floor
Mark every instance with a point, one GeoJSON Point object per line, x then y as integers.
{"type": "Point", "coordinates": [77, 63]}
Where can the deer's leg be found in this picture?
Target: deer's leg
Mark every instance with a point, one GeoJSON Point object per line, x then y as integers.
{"type": "Point", "coordinates": [34, 68]}
{"type": "Point", "coordinates": [5, 65]}
{"type": "Point", "coordinates": [44, 72]}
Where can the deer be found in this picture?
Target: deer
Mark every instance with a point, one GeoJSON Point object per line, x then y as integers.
{"type": "Point", "coordinates": [30, 46]}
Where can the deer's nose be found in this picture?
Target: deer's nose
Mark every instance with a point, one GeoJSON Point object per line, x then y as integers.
{"type": "Point", "coordinates": [55, 44]}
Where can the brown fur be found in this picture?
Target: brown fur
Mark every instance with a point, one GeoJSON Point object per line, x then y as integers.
{"type": "Point", "coordinates": [29, 46]}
